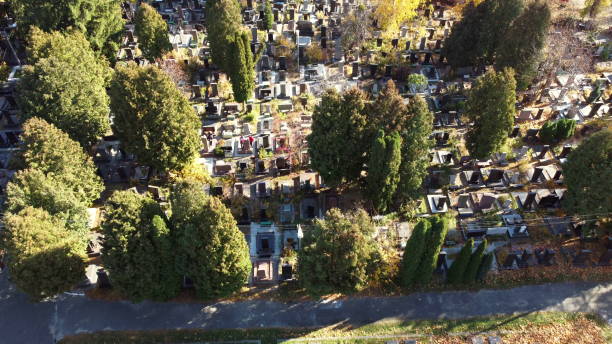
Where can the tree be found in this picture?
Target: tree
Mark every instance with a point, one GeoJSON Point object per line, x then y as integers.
{"type": "Point", "coordinates": [392, 14]}
{"type": "Point", "coordinates": [337, 253]}
{"type": "Point", "coordinates": [45, 258]}
{"type": "Point", "coordinates": [223, 20]}
{"type": "Point", "coordinates": [457, 271]}
{"type": "Point", "coordinates": [484, 267]}
{"type": "Point", "coordinates": [587, 174]}
{"type": "Point", "coordinates": [138, 248]}
{"type": "Point", "coordinates": [242, 70]}
{"type": "Point", "coordinates": [100, 21]}
{"type": "Point", "coordinates": [523, 43]}
{"type": "Point", "coordinates": [433, 244]}
{"type": "Point", "coordinates": [355, 29]}
{"type": "Point", "coordinates": [556, 131]}
{"type": "Point", "coordinates": [338, 142]}
{"type": "Point", "coordinates": [415, 149]}
{"type": "Point", "coordinates": [491, 107]}
{"type": "Point", "coordinates": [413, 253]}
{"type": "Point", "coordinates": [32, 188]}
{"type": "Point", "coordinates": [477, 37]}
{"type": "Point", "coordinates": [268, 19]}
{"type": "Point", "coordinates": [153, 119]}
{"type": "Point", "coordinates": [383, 169]}
{"type": "Point", "coordinates": [210, 250]}
{"type": "Point", "coordinates": [388, 111]}
{"type": "Point", "coordinates": [152, 32]}
{"type": "Point", "coordinates": [65, 85]}
{"type": "Point", "coordinates": [47, 149]}
{"type": "Point", "coordinates": [593, 8]}
{"type": "Point", "coordinates": [471, 271]}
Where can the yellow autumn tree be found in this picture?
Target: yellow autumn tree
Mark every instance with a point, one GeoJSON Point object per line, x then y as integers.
{"type": "Point", "coordinates": [391, 14]}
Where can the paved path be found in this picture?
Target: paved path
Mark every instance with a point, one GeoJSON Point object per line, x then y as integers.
{"type": "Point", "coordinates": [25, 322]}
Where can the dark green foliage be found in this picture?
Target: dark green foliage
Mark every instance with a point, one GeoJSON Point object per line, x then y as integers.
{"type": "Point", "coordinates": [32, 188]}
{"type": "Point", "coordinates": [152, 32]}
{"type": "Point", "coordinates": [138, 249]}
{"type": "Point", "coordinates": [153, 119]}
{"type": "Point", "coordinates": [523, 42]}
{"type": "Point", "coordinates": [337, 253]}
{"type": "Point", "coordinates": [415, 149]}
{"type": "Point", "coordinates": [268, 19]}
{"type": "Point", "coordinates": [99, 20]}
{"type": "Point", "coordinates": [480, 33]}
{"type": "Point", "coordinates": [51, 151]}
{"type": "Point", "coordinates": [556, 131]}
{"type": "Point", "coordinates": [210, 249]}
{"type": "Point", "coordinates": [388, 111]}
{"type": "Point", "coordinates": [45, 258]}
{"type": "Point", "coordinates": [457, 271]}
{"type": "Point", "coordinates": [596, 93]}
{"type": "Point", "coordinates": [587, 174]}
{"type": "Point", "coordinates": [337, 144]}
{"type": "Point", "coordinates": [223, 20]}
{"type": "Point", "coordinates": [491, 106]}
{"type": "Point", "coordinates": [433, 244]}
{"type": "Point", "coordinates": [485, 266]}
{"type": "Point", "coordinates": [383, 169]}
{"type": "Point", "coordinates": [242, 69]}
{"type": "Point", "coordinates": [413, 254]}
{"type": "Point", "coordinates": [471, 271]}
{"type": "Point", "coordinates": [65, 86]}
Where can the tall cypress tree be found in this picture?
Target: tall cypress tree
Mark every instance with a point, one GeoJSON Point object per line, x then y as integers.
{"type": "Point", "coordinates": [457, 270]}
{"type": "Point", "coordinates": [268, 19]}
{"type": "Point", "coordinates": [413, 253]}
{"type": "Point", "coordinates": [484, 267]}
{"type": "Point", "coordinates": [435, 239]}
{"type": "Point", "coordinates": [223, 20]}
{"type": "Point", "coordinates": [491, 107]}
{"type": "Point", "coordinates": [152, 32]}
{"type": "Point", "coordinates": [475, 261]}
{"type": "Point", "coordinates": [415, 149]}
{"type": "Point", "coordinates": [383, 169]}
{"type": "Point", "coordinates": [241, 72]}
{"type": "Point", "coordinates": [523, 43]}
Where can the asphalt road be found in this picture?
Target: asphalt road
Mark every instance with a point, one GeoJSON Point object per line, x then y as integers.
{"type": "Point", "coordinates": [24, 322]}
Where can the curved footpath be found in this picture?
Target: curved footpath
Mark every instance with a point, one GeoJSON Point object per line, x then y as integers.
{"type": "Point", "coordinates": [24, 322]}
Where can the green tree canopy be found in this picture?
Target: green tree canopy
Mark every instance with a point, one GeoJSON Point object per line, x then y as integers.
{"type": "Point", "coordinates": [457, 271]}
{"type": "Point", "coordinates": [471, 271]}
{"type": "Point", "coordinates": [52, 152]}
{"type": "Point", "coordinates": [413, 253]}
{"type": "Point", "coordinates": [523, 43]}
{"type": "Point", "coordinates": [242, 70]}
{"type": "Point", "coordinates": [223, 20]}
{"type": "Point", "coordinates": [433, 245]}
{"type": "Point", "coordinates": [153, 119]}
{"type": "Point", "coordinates": [587, 174]}
{"type": "Point", "coordinates": [152, 32]}
{"type": "Point", "coordinates": [138, 248]}
{"type": "Point", "coordinates": [32, 188]}
{"type": "Point", "coordinates": [338, 142]}
{"type": "Point", "coordinates": [415, 149]}
{"type": "Point", "coordinates": [491, 107]}
{"type": "Point", "coordinates": [477, 37]}
{"type": "Point", "coordinates": [210, 250]}
{"type": "Point", "coordinates": [337, 252]}
{"type": "Point", "coordinates": [268, 19]}
{"type": "Point", "coordinates": [45, 258]}
{"type": "Point", "coordinates": [65, 85]}
{"type": "Point", "coordinates": [388, 111]}
{"type": "Point", "coordinates": [383, 170]}
{"type": "Point", "coordinates": [100, 21]}
{"type": "Point", "coordinates": [556, 131]}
